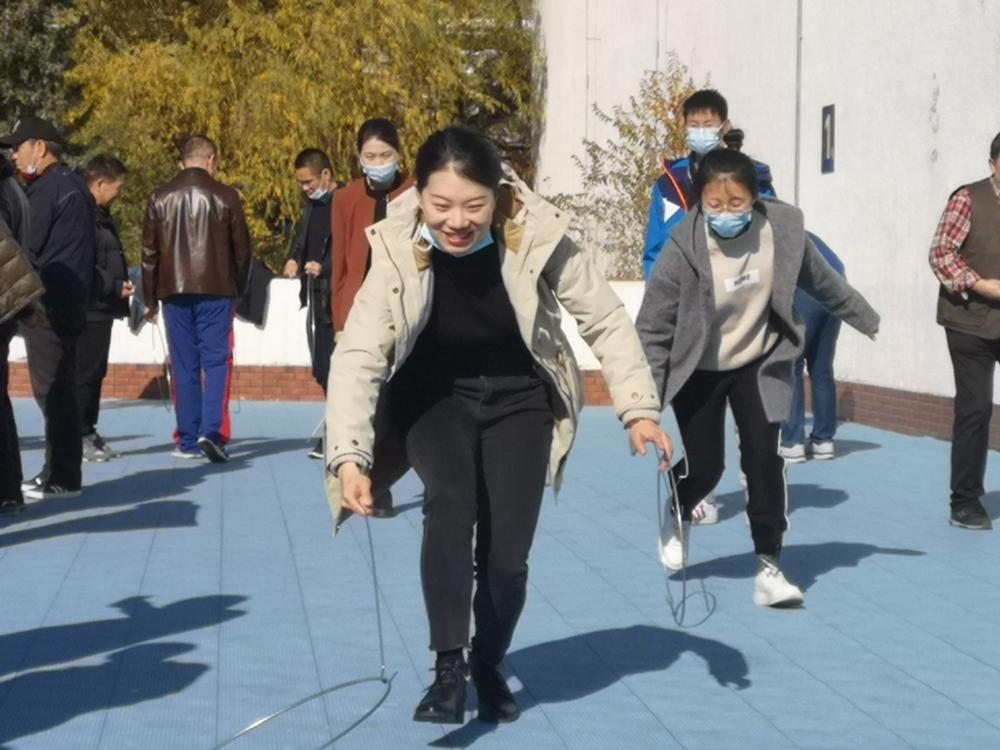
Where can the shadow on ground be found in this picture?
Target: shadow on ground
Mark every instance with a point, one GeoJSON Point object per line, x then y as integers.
{"type": "Point", "coordinates": [575, 667]}
{"type": "Point", "coordinates": [144, 491]}
{"type": "Point", "coordinates": [804, 563]}
{"type": "Point", "coordinates": [136, 671]}
{"type": "Point", "coordinates": [799, 496]}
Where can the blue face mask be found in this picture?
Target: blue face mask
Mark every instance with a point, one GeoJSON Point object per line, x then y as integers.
{"type": "Point", "coordinates": [703, 140]}
{"type": "Point", "coordinates": [486, 241]}
{"type": "Point", "coordinates": [728, 224]}
{"type": "Point", "coordinates": [381, 175]}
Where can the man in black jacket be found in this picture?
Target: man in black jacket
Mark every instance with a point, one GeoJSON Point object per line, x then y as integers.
{"type": "Point", "coordinates": [61, 249]}
{"type": "Point", "coordinates": [105, 177]}
{"type": "Point", "coordinates": [310, 259]}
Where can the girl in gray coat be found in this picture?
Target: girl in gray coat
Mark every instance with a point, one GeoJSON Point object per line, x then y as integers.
{"type": "Point", "coordinates": [718, 324]}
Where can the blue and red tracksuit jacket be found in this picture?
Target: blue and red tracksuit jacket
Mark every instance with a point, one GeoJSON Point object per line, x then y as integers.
{"type": "Point", "coordinates": [671, 201]}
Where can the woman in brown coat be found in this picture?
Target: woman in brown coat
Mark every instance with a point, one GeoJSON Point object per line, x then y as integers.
{"type": "Point", "coordinates": [359, 205]}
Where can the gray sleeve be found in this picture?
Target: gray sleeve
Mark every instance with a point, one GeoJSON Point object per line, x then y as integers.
{"type": "Point", "coordinates": [818, 279]}
{"type": "Point", "coordinates": [657, 319]}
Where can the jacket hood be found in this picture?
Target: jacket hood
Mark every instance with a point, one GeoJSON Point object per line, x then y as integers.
{"type": "Point", "coordinates": [7, 168]}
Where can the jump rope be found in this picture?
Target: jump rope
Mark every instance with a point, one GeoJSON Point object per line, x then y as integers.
{"type": "Point", "coordinates": [381, 677]}
{"type": "Point", "coordinates": [666, 483]}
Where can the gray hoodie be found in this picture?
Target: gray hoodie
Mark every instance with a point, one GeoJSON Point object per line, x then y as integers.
{"type": "Point", "coordinates": [679, 304]}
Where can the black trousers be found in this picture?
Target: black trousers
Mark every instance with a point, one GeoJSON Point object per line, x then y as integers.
{"type": "Point", "coordinates": [321, 343]}
{"type": "Point", "coordinates": [482, 451]}
{"type": "Point", "coordinates": [52, 367]}
{"type": "Point", "coordinates": [700, 407]}
{"type": "Point", "coordinates": [10, 452]}
{"type": "Point", "coordinates": [973, 360]}
{"type": "Point", "coordinates": [91, 369]}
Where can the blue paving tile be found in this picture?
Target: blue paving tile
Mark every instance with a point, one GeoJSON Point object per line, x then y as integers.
{"type": "Point", "coordinates": [176, 602]}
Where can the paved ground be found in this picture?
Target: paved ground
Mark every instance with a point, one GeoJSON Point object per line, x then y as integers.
{"type": "Point", "coordinates": [177, 602]}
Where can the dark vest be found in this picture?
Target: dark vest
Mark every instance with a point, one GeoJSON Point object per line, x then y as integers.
{"type": "Point", "coordinates": [981, 252]}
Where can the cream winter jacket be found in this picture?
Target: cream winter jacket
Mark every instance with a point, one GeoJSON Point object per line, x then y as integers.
{"type": "Point", "coordinates": [541, 268]}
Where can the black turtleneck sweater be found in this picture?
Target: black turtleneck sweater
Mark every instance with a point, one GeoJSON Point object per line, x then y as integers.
{"type": "Point", "coordinates": [472, 330]}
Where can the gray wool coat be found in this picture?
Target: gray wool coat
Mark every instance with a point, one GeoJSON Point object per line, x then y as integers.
{"type": "Point", "coordinates": [679, 305]}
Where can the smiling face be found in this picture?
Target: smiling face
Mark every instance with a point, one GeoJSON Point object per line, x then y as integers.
{"type": "Point", "coordinates": [726, 195]}
{"type": "Point", "coordinates": [457, 211]}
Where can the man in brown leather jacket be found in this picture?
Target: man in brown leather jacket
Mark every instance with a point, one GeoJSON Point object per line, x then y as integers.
{"type": "Point", "coordinates": [195, 256]}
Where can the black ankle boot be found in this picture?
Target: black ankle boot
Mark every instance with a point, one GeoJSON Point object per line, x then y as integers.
{"type": "Point", "coordinates": [496, 702]}
{"type": "Point", "coordinates": [445, 701]}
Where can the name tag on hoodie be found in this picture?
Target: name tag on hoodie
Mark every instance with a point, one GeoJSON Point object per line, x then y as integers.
{"type": "Point", "coordinates": [750, 278]}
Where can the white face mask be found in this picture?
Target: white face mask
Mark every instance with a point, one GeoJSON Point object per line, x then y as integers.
{"type": "Point", "coordinates": [319, 194]}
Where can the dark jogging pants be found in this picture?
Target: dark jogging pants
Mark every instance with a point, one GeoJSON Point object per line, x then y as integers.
{"type": "Point", "coordinates": [973, 359]}
{"type": "Point", "coordinates": [200, 330]}
{"type": "Point", "coordinates": [482, 451]}
{"type": "Point", "coordinates": [91, 368]}
{"type": "Point", "coordinates": [700, 407]}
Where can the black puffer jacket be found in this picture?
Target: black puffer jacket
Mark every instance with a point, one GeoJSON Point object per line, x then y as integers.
{"type": "Point", "coordinates": [19, 284]}
{"type": "Point", "coordinates": [112, 269]}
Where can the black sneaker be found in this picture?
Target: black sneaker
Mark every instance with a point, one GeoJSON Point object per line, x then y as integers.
{"type": "Point", "coordinates": [32, 484]}
{"type": "Point", "coordinates": [971, 516]}
{"type": "Point", "coordinates": [51, 491]}
{"type": "Point", "coordinates": [215, 452]}
{"type": "Point", "coordinates": [11, 507]}
{"type": "Point", "coordinates": [317, 452]}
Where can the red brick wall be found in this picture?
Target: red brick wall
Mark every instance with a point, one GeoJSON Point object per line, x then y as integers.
{"type": "Point", "coordinates": [886, 408]}
{"type": "Point", "coordinates": [146, 381]}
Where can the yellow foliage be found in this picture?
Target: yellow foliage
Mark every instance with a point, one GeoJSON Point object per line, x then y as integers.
{"type": "Point", "coordinates": [267, 78]}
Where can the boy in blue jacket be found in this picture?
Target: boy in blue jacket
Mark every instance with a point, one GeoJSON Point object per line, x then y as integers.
{"type": "Point", "coordinates": [706, 117]}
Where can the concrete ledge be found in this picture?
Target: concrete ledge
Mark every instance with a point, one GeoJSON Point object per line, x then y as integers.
{"type": "Point", "coordinates": [885, 408]}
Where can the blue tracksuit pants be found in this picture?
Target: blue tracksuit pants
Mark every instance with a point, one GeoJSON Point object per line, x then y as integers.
{"type": "Point", "coordinates": [200, 331]}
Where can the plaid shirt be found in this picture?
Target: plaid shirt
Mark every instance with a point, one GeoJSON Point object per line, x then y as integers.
{"type": "Point", "coordinates": [946, 252]}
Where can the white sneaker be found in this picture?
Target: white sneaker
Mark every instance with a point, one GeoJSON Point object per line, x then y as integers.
{"type": "Point", "coordinates": [793, 454]}
{"type": "Point", "coordinates": [706, 512]}
{"type": "Point", "coordinates": [824, 451]}
{"type": "Point", "coordinates": [673, 552]}
{"type": "Point", "coordinates": [772, 589]}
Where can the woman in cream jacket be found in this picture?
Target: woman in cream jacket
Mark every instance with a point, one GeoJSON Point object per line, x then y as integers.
{"type": "Point", "coordinates": [453, 362]}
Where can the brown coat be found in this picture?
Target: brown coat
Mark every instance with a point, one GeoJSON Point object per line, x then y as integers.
{"type": "Point", "coordinates": [195, 239]}
{"type": "Point", "coordinates": [353, 211]}
{"type": "Point", "coordinates": [19, 284]}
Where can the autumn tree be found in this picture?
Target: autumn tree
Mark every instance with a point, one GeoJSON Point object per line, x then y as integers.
{"type": "Point", "coordinates": [612, 206]}
{"type": "Point", "coordinates": [267, 78]}
{"type": "Point", "coordinates": [35, 45]}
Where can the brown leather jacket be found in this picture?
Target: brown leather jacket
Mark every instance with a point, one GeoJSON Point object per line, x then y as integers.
{"type": "Point", "coordinates": [194, 239]}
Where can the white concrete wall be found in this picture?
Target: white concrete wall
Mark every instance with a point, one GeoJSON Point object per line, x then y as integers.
{"type": "Point", "coordinates": [915, 87]}
{"type": "Point", "coordinates": [282, 341]}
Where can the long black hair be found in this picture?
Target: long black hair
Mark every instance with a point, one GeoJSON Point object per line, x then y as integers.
{"type": "Point", "coordinates": [472, 156]}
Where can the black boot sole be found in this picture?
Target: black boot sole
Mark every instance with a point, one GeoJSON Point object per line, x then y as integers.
{"type": "Point", "coordinates": [491, 717]}
{"type": "Point", "coordinates": [456, 718]}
